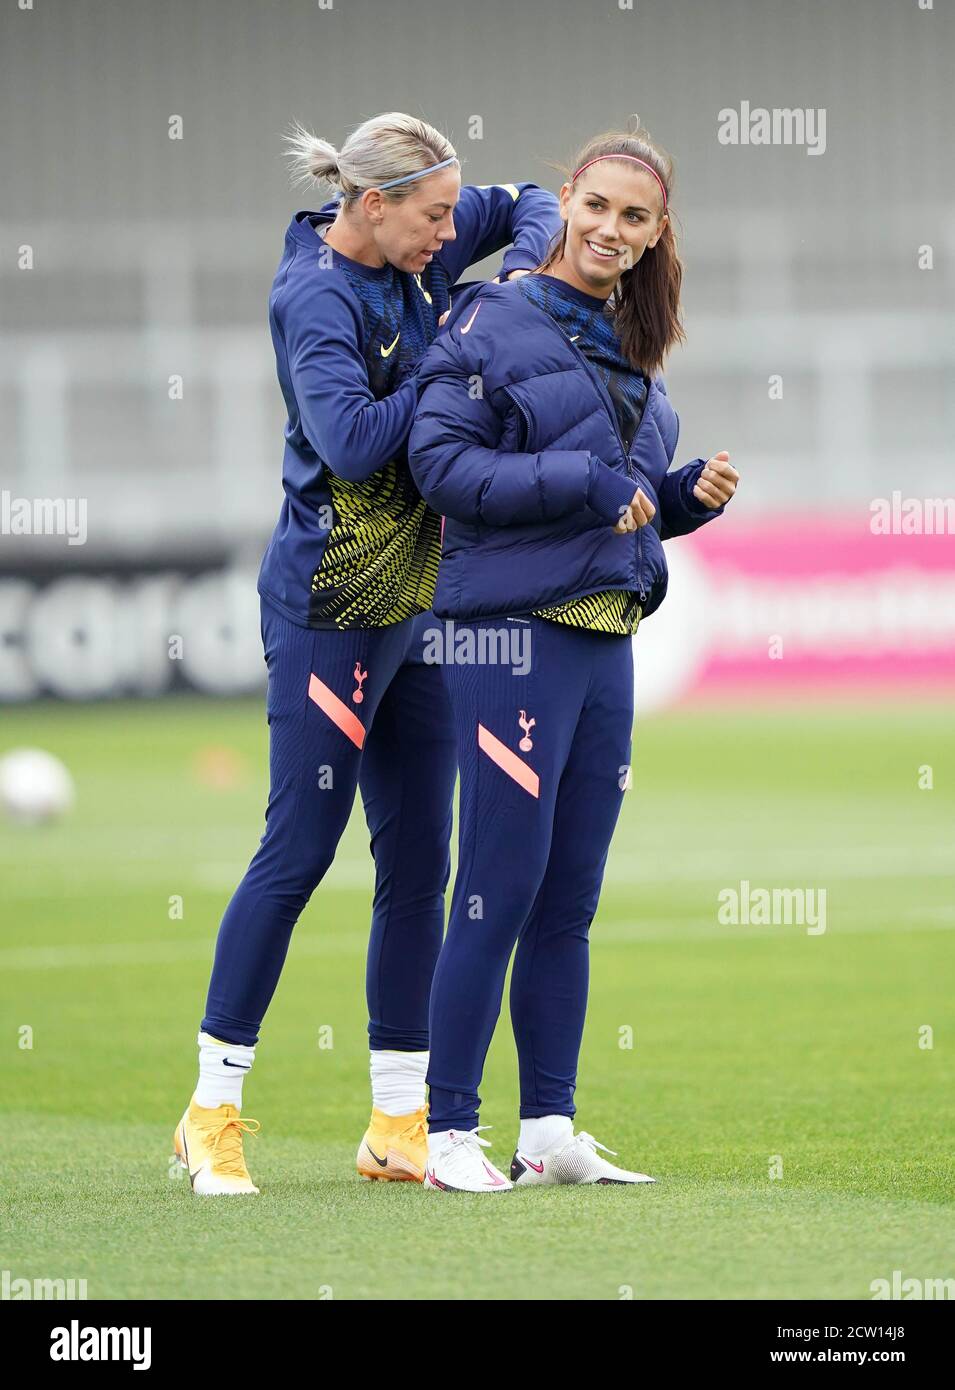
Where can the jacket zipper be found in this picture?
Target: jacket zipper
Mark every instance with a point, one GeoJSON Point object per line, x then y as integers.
{"type": "Point", "coordinates": [605, 397]}
{"type": "Point", "coordinates": [522, 412]}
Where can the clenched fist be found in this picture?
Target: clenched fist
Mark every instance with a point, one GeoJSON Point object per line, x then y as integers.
{"type": "Point", "coordinates": [639, 512]}
{"type": "Point", "coordinates": [717, 482]}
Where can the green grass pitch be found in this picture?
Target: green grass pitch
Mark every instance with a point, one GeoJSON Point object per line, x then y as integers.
{"type": "Point", "coordinates": [755, 1049]}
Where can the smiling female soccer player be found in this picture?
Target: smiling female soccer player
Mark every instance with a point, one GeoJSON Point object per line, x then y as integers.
{"type": "Point", "coordinates": [552, 475]}
{"type": "Point", "coordinates": [344, 584]}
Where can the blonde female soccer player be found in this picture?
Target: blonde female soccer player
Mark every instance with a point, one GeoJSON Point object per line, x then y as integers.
{"type": "Point", "coordinates": [345, 587]}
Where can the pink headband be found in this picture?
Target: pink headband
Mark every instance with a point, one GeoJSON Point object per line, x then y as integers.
{"type": "Point", "coordinates": [642, 162]}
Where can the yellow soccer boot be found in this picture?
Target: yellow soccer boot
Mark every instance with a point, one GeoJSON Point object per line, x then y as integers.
{"type": "Point", "coordinates": [208, 1144]}
{"type": "Point", "coordinates": [395, 1147]}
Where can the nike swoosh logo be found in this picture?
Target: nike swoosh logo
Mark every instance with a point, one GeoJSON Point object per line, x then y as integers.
{"type": "Point", "coordinates": [382, 1162]}
{"type": "Point", "coordinates": [227, 1063]}
{"type": "Point", "coordinates": [537, 1167]}
{"type": "Point", "coordinates": [192, 1175]}
{"type": "Point", "coordinates": [386, 352]}
{"type": "Point", "coordinates": [495, 1180]}
{"type": "Point", "coordinates": [467, 326]}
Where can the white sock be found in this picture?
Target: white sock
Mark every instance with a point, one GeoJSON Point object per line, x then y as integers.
{"type": "Point", "coordinates": [398, 1081]}
{"type": "Point", "coordinates": [545, 1132]}
{"type": "Point", "coordinates": [222, 1069]}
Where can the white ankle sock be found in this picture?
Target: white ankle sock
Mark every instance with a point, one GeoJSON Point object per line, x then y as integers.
{"type": "Point", "coordinates": [222, 1069]}
{"type": "Point", "coordinates": [398, 1081]}
{"type": "Point", "coordinates": [545, 1132]}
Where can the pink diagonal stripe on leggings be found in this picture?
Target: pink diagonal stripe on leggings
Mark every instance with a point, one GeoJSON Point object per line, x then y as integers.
{"type": "Point", "coordinates": [337, 711]}
{"type": "Point", "coordinates": [508, 761]}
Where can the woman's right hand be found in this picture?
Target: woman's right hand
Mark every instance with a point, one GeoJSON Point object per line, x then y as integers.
{"type": "Point", "coordinates": [640, 512]}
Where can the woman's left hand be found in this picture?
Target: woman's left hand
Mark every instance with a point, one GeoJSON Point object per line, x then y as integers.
{"type": "Point", "coordinates": [717, 482]}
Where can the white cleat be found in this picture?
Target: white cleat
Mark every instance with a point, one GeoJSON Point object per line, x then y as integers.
{"type": "Point", "coordinates": [575, 1161]}
{"type": "Point", "coordinates": [460, 1166]}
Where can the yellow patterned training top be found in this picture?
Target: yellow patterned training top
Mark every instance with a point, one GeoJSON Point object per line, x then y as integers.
{"type": "Point", "coordinates": [614, 611]}
{"type": "Point", "coordinates": [382, 554]}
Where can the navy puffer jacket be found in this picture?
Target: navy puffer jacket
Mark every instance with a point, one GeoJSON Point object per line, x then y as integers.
{"type": "Point", "coordinates": [515, 441]}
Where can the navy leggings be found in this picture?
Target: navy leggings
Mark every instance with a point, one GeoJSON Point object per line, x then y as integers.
{"type": "Point", "coordinates": [544, 759]}
{"type": "Point", "coordinates": [346, 709]}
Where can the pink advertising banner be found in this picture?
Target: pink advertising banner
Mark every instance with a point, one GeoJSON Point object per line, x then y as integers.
{"type": "Point", "coordinates": [784, 602]}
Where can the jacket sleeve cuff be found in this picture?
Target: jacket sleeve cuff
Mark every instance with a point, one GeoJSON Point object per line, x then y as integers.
{"type": "Point", "coordinates": [517, 259]}
{"type": "Point", "coordinates": [609, 492]}
{"type": "Point", "coordinates": [698, 510]}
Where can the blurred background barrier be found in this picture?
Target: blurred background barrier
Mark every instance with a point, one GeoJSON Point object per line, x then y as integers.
{"type": "Point", "coordinates": [165, 378]}
{"type": "Point", "coordinates": [775, 605]}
